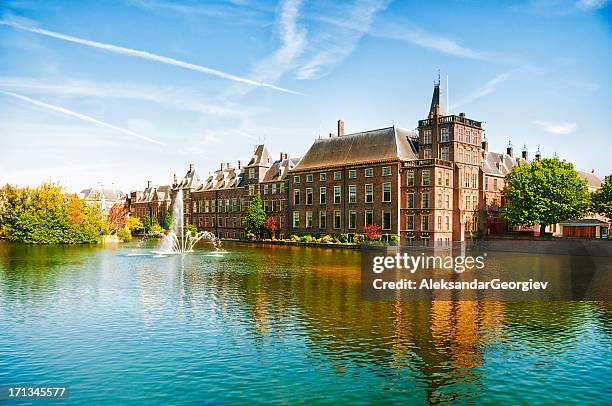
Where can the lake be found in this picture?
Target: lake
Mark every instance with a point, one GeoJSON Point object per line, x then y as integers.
{"type": "Point", "coordinates": [279, 325]}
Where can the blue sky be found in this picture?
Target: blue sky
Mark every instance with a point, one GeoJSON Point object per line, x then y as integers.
{"type": "Point", "coordinates": [125, 91]}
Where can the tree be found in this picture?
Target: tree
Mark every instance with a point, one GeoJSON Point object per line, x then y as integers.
{"type": "Point", "coordinates": [255, 216]}
{"type": "Point", "coordinates": [544, 192]}
{"type": "Point", "coordinates": [371, 232]}
{"type": "Point", "coordinates": [133, 223]}
{"type": "Point", "coordinates": [116, 217]}
{"type": "Point", "coordinates": [602, 198]}
{"type": "Point", "coordinates": [168, 220]}
{"type": "Point", "coordinates": [270, 225]}
{"type": "Point", "coordinates": [146, 222]}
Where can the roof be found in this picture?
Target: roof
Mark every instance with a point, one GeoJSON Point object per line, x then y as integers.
{"type": "Point", "coordinates": [261, 157]}
{"type": "Point", "coordinates": [592, 180]}
{"type": "Point", "coordinates": [280, 170]}
{"type": "Point", "coordinates": [97, 193]}
{"type": "Point", "coordinates": [225, 178]}
{"type": "Point", "coordinates": [154, 193]}
{"type": "Point", "coordinates": [498, 164]}
{"type": "Point", "coordinates": [191, 180]}
{"type": "Point", "coordinates": [583, 221]}
{"type": "Point", "coordinates": [369, 146]}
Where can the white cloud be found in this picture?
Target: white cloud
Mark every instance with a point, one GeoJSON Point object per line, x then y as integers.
{"type": "Point", "coordinates": [144, 55]}
{"type": "Point", "coordinates": [591, 4]}
{"type": "Point", "coordinates": [79, 116]}
{"type": "Point", "coordinates": [487, 88]}
{"type": "Point", "coordinates": [167, 96]}
{"type": "Point", "coordinates": [336, 44]}
{"type": "Point", "coordinates": [558, 128]}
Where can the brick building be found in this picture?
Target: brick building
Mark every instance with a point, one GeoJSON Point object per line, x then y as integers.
{"type": "Point", "coordinates": [434, 186]}
{"type": "Point", "coordinates": [153, 201]}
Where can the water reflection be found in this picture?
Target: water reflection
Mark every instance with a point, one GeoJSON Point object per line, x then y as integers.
{"type": "Point", "coordinates": [283, 324]}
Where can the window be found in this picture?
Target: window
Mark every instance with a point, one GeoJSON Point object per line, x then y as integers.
{"type": "Point", "coordinates": [427, 137]}
{"type": "Point", "coordinates": [445, 154]}
{"type": "Point", "coordinates": [352, 219]}
{"type": "Point", "coordinates": [352, 174]}
{"type": "Point", "coordinates": [309, 178]}
{"type": "Point", "coordinates": [425, 177]}
{"type": "Point", "coordinates": [460, 134]}
{"type": "Point", "coordinates": [439, 223]}
{"type": "Point", "coordinates": [409, 222]}
{"type": "Point", "coordinates": [446, 179]}
{"type": "Point", "coordinates": [447, 223]}
{"type": "Point", "coordinates": [369, 193]}
{"type": "Point", "coordinates": [296, 196]}
{"type": "Point", "coordinates": [309, 219]}
{"type": "Point", "coordinates": [494, 184]}
{"type": "Point", "coordinates": [425, 201]}
{"type": "Point", "coordinates": [386, 220]}
{"type": "Point", "coordinates": [369, 172]}
{"type": "Point", "coordinates": [369, 218]}
{"type": "Point", "coordinates": [460, 155]}
{"type": "Point", "coordinates": [274, 188]}
{"type": "Point", "coordinates": [486, 183]}
{"type": "Point", "coordinates": [322, 177]}
{"type": "Point", "coordinates": [425, 222]}
{"type": "Point", "coordinates": [386, 192]}
{"type": "Point", "coordinates": [352, 198]}
{"type": "Point", "coordinates": [427, 153]}
{"type": "Point", "coordinates": [251, 190]}
{"type": "Point", "coordinates": [296, 179]}
{"type": "Point", "coordinates": [234, 204]}
{"type": "Point", "coordinates": [337, 194]}
{"type": "Point", "coordinates": [296, 219]}
{"type": "Point", "coordinates": [309, 195]}
{"type": "Point", "coordinates": [322, 219]}
{"type": "Point", "coordinates": [281, 187]}
{"type": "Point", "coordinates": [447, 201]}
{"type": "Point", "coordinates": [251, 173]}
{"type": "Point", "coordinates": [337, 219]}
{"type": "Point", "coordinates": [444, 134]}
{"type": "Point", "coordinates": [386, 171]}
{"type": "Point", "coordinates": [410, 201]}
{"type": "Point", "coordinates": [410, 177]}
{"type": "Point", "coordinates": [266, 189]}
{"type": "Point", "coordinates": [439, 200]}
{"type": "Point", "coordinates": [439, 179]}
{"type": "Point", "coordinates": [322, 195]}
{"type": "Point", "coordinates": [337, 175]}
{"type": "Point", "coordinates": [214, 205]}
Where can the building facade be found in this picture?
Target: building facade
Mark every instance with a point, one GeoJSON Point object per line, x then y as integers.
{"type": "Point", "coordinates": [430, 187]}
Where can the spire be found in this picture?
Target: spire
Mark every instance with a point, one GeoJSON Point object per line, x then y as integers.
{"type": "Point", "coordinates": [436, 108]}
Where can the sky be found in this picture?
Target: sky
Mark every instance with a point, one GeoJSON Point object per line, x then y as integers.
{"type": "Point", "coordinates": [121, 92]}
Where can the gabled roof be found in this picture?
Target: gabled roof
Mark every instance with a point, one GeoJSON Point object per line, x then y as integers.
{"type": "Point", "coordinates": [225, 178]}
{"type": "Point", "coordinates": [280, 169]}
{"type": "Point", "coordinates": [191, 180]}
{"type": "Point", "coordinates": [97, 193]}
{"type": "Point", "coordinates": [369, 146]}
{"type": "Point", "coordinates": [498, 164]}
{"type": "Point", "coordinates": [261, 157]}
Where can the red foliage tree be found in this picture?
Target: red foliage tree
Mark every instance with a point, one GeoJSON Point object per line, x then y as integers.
{"type": "Point", "coordinates": [116, 217]}
{"type": "Point", "coordinates": [372, 232]}
{"type": "Point", "coordinates": [271, 225]}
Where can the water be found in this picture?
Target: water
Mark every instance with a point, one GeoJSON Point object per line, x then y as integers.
{"type": "Point", "coordinates": [279, 325]}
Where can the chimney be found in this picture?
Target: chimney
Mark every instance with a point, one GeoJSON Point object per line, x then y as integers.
{"type": "Point", "coordinates": [525, 154]}
{"type": "Point", "coordinates": [340, 128]}
{"type": "Point", "coordinates": [191, 167]}
{"type": "Point", "coordinates": [222, 165]}
{"type": "Point", "coordinates": [228, 165]}
{"type": "Point", "coordinates": [538, 154]}
{"type": "Point", "coordinates": [331, 135]}
{"type": "Point", "coordinates": [148, 184]}
{"type": "Point", "coordinates": [239, 164]}
{"type": "Point", "coordinates": [461, 115]}
{"type": "Point", "coordinates": [509, 148]}
{"type": "Point", "coordinates": [174, 180]}
{"type": "Point", "coordinates": [485, 144]}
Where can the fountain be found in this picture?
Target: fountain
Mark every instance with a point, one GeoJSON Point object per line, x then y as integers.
{"type": "Point", "coordinates": [179, 240]}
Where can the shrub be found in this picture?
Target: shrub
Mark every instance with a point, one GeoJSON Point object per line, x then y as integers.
{"type": "Point", "coordinates": [326, 239]}
{"type": "Point", "coordinates": [307, 238]}
{"type": "Point", "coordinates": [250, 236]}
{"type": "Point", "coordinates": [190, 228]}
{"type": "Point", "coordinates": [344, 238]}
{"type": "Point", "coordinates": [124, 234]}
{"type": "Point", "coordinates": [394, 238]}
{"type": "Point", "coordinates": [295, 237]}
{"type": "Point", "coordinates": [156, 230]}
{"type": "Point", "coordinates": [372, 232]}
{"type": "Point", "coordinates": [358, 238]}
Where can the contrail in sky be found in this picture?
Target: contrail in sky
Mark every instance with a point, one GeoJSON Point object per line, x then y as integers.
{"type": "Point", "coordinates": [80, 116]}
{"type": "Point", "coordinates": [144, 55]}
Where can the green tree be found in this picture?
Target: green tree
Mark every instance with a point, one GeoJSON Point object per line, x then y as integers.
{"type": "Point", "coordinates": [602, 198]}
{"type": "Point", "coordinates": [168, 221]}
{"type": "Point", "coordinates": [255, 217]}
{"type": "Point", "coordinates": [544, 192]}
{"type": "Point", "coordinates": [146, 222]}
